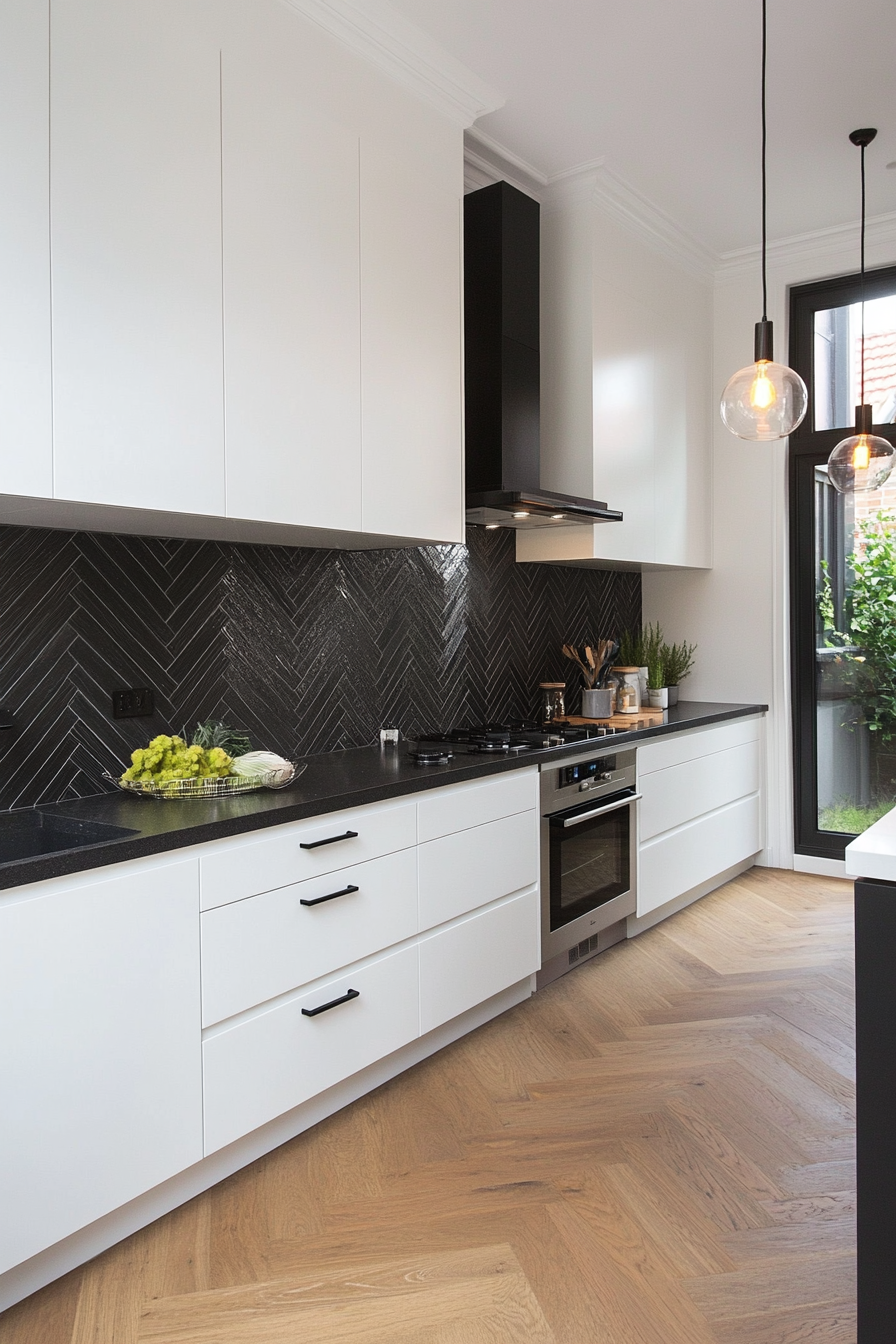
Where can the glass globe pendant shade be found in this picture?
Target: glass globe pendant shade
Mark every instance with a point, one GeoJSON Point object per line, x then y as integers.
{"type": "Point", "coordinates": [765, 400]}
{"type": "Point", "coordinates": [863, 461]}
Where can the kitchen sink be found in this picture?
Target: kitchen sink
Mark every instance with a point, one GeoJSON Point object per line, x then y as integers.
{"type": "Point", "coordinates": [26, 835]}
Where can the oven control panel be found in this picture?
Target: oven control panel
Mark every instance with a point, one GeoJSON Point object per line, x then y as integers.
{"type": "Point", "coordinates": [587, 772]}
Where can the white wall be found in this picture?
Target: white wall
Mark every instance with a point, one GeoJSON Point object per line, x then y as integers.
{"type": "Point", "coordinates": [737, 612]}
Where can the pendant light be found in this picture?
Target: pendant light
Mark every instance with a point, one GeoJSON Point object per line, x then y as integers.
{"type": "Point", "coordinates": [764, 401]}
{"type": "Point", "coordinates": [864, 460]}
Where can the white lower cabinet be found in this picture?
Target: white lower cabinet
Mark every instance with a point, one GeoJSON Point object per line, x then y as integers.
{"type": "Point", "coordinates": [470, 961]}
{"type": "Point", "coordinates": [256, 949]}
{"type": "Point", "coordinates": [165, 1010]}
{"type": "Point", "coordinates": [675, 796]}
{"type": "Point", "coordinates": [258, 1069]}
{"type": "Point", "coordinates": [232, 869]}
{"type": "Point", "coordinates": [100, 1098]}
{"type": "Point", "coordinates": [268, 959]}
{"type": "Point", "coordinates": [676, 863]}
{"type": "Point", "coordinates": [463, 871]}
{"type": "Point", "coordinates": [700, 811]}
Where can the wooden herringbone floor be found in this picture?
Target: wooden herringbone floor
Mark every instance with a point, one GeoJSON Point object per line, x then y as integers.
{"type": "Point", "coordinates": [657, 1149]}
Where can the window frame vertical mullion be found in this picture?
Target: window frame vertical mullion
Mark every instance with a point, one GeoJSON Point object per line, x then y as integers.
{"type": "Point", "coordinates": [807, 449]}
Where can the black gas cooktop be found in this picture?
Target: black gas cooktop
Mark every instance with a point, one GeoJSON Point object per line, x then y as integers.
{"type": "Point", "coordinates": [513, 738]}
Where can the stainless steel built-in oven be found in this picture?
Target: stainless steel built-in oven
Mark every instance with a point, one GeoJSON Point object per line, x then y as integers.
{"type": "Point", "coordinates": [588, 857]}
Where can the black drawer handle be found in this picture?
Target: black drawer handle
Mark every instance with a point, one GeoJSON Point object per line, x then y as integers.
{"type": "Point", "coordinates": [318, 900]}
{"type": "Point", "coordinates": [325, 1007]}
{"type": "Point", "coordinates": [331, 840]}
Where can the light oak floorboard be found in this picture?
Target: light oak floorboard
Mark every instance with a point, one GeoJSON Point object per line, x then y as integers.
{"type": "Point", "coordinates": [656, 1149]}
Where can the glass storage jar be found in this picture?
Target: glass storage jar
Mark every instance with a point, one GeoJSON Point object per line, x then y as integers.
{"type": "Point", "coordinates": [628, 690]}
{"type": "Point", "coordinates": [553, 702]}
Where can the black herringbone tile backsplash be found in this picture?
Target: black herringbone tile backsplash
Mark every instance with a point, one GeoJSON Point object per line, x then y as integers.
{"type": "Point", "coordinates": [309, 650]}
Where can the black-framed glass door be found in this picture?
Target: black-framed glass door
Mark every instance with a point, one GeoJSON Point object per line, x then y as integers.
{"type": "Point", "coordinates": [843, 569]}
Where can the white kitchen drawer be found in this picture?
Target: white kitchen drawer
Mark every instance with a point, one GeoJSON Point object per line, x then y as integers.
{"type": "Point", "coordinates": [239, 868]}
{"type": "Point", "coordinates": [268, 1064]}
{"type": "Point", "coordinates": [469, 962]}
{"type": "Point", "coordinates": [462, 871]}
{"type": "Point", "coordinates": [689, 746]}
{"type": "Point", "coordinates": [255, 949]}
{"type": "Point", "coordinates": [680, 860]}
{"type": "Point", "coordinates": [681, 793]}
{"type": "Point", "coordinates": [459, 806]}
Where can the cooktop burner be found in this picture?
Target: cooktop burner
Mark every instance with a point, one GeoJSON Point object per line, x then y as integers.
{"type": "Point", "coordinates": [509, 739]}
{"type": "Point", "coordinates": [430, 756]}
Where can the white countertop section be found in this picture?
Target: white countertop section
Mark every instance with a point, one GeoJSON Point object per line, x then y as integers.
{"type": "Point", "coordinates": [873, 854]}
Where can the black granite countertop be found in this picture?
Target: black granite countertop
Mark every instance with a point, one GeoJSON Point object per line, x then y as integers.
{"type": "Point", "coordinates": [331, 781]}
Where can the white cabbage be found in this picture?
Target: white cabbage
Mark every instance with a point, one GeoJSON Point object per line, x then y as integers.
{"type": "Point", "coordinates": [263, 765]}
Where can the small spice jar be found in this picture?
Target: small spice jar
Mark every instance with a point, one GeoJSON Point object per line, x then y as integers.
{"type": "Point", "coordinates": [553, 703]}
{"type": "Point", "coordinates": [628, 690]}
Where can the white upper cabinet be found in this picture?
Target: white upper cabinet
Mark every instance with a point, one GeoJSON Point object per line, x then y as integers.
{"type": "Point", "coordinates": [26, 463]}
{"type": "Point", "coordinates": [626, 393]}
{"type": "Point", "coordinates": [230, 277]}
{"type": "Point", "coordinates": [136, 256]}
{"type": "Point", "coordinates": [291, 300]}
{"type": "Point", "coordinates": [410, 350]}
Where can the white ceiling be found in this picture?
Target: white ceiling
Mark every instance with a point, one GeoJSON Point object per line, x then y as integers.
{"type": "Point", "coordinates": [666, 92]}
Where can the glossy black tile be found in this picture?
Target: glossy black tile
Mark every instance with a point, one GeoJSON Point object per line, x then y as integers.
{"type": "Point", "coordinates": [309, 650]}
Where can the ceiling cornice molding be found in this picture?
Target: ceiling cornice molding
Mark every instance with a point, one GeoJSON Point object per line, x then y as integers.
{"type": "Point", "coordinates": [488, 161]}
{"type": "Point", "coordinates": [487, 157]}
{"type": "Point", "coordinates": [598, 183]}
{"type": "Point", "coordinates": [880, 232]}
{"type": "Point", "coordinates": [375, 31]}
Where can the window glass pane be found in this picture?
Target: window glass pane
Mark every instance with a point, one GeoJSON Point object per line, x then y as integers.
{"type": "Point", "coordinates": [855, 564]}
{"type": "Point", "coordinates": [838, 363]}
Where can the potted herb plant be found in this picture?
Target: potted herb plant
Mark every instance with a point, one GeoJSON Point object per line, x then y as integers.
{"type": "Point", "coordinates": [678, 662]}
{"type": "Point", "coordinates": [652, 644]}
{"type": "Point", "coordinates": [657, 691]}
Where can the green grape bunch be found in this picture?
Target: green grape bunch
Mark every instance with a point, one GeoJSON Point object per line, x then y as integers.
{"type": "Point", "coordinates": [167, 759]}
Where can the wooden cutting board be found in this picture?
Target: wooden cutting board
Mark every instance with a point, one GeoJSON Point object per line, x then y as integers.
{"type": "Point", "coordinates": [645, 718]}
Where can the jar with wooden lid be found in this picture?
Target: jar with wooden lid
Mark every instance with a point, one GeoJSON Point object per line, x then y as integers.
{"type": "Point", "coordinates": [553, 701]}
{"type": "Point", "coordinates": [628, 690]}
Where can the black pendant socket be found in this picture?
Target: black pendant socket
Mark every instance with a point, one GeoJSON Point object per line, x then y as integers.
{"type": "Point", "coordinates": [763, 341]}
{"type": "Point", "coordinates": [863, 419]}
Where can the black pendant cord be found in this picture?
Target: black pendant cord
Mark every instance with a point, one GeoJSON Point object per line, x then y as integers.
{"type": "Point", "coordinates": [862, 272]}
{"type": "Point", "coordinates": [764, 183]}
{"type": "Point", "coordinates": [862, 138]}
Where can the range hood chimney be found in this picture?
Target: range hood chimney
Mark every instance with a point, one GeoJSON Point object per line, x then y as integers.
{"type": "Point", "coordinates": [501, 368]}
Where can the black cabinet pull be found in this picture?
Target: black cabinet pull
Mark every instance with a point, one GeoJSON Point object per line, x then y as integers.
{"type": "Point", "coordinates": [325, 1007]}
{"type": "Point", "coordinates": [331, 840]}
{"type": "Point", "coordinates": [318, 900]}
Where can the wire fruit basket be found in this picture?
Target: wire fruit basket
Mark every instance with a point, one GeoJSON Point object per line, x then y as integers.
{"type": "Point", "coordinates": [213, 786]}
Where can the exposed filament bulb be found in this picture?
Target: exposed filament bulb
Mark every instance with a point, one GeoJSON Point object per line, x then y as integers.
{"type": "Point", "coordinates": [861, 453]}
{"type": "Point", "coordinates": [762, 393]}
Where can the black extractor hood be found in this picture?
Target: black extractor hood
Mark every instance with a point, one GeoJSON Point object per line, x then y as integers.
{"type": "Point", "coordinates": [501, 369]}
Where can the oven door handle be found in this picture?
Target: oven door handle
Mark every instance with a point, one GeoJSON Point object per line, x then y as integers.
{"type": "Point", "coordinates": [599, 811]}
